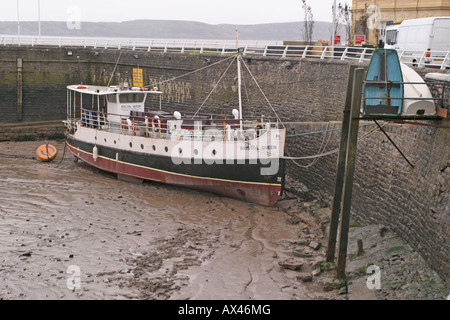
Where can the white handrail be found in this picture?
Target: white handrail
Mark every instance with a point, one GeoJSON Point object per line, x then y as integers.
{"type": "Point", "coordinates": [437, 59]}
{"type": "Point", "coordinates": [445, 59]}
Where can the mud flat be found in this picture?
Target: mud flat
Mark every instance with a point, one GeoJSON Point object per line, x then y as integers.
{"type": "Point", "coordinates": [68, 231]}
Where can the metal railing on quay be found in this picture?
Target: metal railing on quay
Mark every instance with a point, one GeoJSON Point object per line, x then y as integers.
{"type": "Point", "coordinates": [432, 59]}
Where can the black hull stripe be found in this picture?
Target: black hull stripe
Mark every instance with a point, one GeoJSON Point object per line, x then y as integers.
{"type": "Point", "coordinates": [237, 173]}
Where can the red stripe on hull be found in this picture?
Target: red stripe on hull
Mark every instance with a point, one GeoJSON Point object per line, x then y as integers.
{"type": "Point", "coordinates": [264, 194]}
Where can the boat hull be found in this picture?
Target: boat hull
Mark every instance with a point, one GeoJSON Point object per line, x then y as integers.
{"type": "Point", "coordinates": [239, 180]}
{"type": "Point", "coordinates": [384, 88]}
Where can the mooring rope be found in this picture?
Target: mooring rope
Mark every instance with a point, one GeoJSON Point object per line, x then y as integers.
{"type": "Point", "coordinates": [316, 132]}
{"type": "Point", "coordinates": [64, 152]}
{"type": "Point", "coordinates": [18, 156]}
{"type": "Point", "coordinates": [321, 149]}
{"type": "Point", "coordinates": [329, 152]}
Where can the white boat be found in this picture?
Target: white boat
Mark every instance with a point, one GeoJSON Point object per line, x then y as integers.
{"type": "Point", "coordinates": [415, 87]}
{"type": "Point", "coordinates": [393, 89]}
{"type": "Point", "coordinates": [110, 128]}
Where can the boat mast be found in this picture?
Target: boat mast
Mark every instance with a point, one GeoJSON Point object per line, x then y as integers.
{"type": "Point", "coordinates": [239, 88]}
{"type": "Point", "coordinates": [239, 76]}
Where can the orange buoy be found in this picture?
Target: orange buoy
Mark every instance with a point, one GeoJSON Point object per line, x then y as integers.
{"type": "Point", "coordinates": [46, 152]}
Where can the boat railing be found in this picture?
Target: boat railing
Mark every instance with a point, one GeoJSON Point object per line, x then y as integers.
{"type": "Point", "coordinates": [201, 128]}
{"type": "Point", "coordinates": [93, 119]}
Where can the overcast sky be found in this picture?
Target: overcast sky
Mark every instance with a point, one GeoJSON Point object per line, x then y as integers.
{"type": "Point", "coordinates": [207, 11]}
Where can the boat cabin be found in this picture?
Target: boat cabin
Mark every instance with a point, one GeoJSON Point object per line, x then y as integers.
{"type": "Point", "coordinates": [137, 111]}
{"type": "Point", "coordinates": [99, 104]}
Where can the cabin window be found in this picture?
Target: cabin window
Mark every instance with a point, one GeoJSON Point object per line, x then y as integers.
{"type": "Point", "coordinates": [112, 98]}
{"type": "Point", "coordinates": [131, 97]}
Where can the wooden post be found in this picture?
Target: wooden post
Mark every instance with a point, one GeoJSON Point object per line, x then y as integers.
{"type": "Point", "coordinates": [336, 211]}
{"type": "Point", "coordinates": [19, 110]}
{"type": "Point", "coordinates": [349, 171]}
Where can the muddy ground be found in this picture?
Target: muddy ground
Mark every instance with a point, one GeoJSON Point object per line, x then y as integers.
{"type": "Point", "coordinates": [68, 231]}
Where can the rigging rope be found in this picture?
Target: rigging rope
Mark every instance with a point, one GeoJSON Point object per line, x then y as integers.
{"type": "Point", "coordinates": [257, 84]}
{"type": "Point", "coordinates": [112, 74]}
{"type": "Point", "coordinates": [211, 65]}
{"type": "Point", "coordinates": [189, 73]}
{"type": "Point", "coordinates": [214, 88]}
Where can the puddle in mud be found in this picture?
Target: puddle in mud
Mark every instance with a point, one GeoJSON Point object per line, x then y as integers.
{"type": "Point", "coordinates": [68, 231]}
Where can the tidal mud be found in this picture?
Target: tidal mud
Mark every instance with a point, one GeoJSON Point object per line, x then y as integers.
{"type": "Point", "coordinates": [69, 231]}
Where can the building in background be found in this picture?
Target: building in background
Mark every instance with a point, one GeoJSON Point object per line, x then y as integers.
{"type": "Point", "coordinates": [369, 17]}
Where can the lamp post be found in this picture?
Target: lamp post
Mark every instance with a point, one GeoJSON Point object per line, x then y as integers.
{"type": "Point", "coordinates": [403, 4]}
{"type": "Point", "coordinates": [18, 20]}
{"type": "Point", "coordinates": [39, 17]}
{"type": "Point", "coordinates": [334, 24]}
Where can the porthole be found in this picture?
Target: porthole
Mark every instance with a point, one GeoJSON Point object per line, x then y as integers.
{"type": "Point", "coordinates": [166, 149]}
{"type": "Point", "coordinates": [131, 145]}
{"type": "Point", "coordinates": [214, 152]}
{"type": "Point", "coordinates": [104, 139]}
{"type": "Point", "coordinates": [142, 146]}
{"type": "Point", "coordinates": [114, 141]}
{"type": "Point", "coordinates": [154, 148]}
{"type": "Point", "coordinates": [180, 151]}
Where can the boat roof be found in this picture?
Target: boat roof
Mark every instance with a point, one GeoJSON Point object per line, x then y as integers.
{"type": "Point", "coordinates": [104, 90]}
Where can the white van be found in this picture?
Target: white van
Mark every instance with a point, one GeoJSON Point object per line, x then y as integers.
{"type": "Point", "coordinates": [424, 41]}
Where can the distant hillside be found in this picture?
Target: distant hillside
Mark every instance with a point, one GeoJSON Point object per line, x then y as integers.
{"type": "Point", "coordinates": [171, 30]}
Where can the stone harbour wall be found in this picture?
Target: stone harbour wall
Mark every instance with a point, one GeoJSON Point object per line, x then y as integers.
{"type": "Point", "coordinates": [308, 90]}
{"type": "Point", "coordinates": [31, 131]}
{"type": "Point", "coordinates": [308, 96]}
{"type": "Point", "coordinates": [412, 202]}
